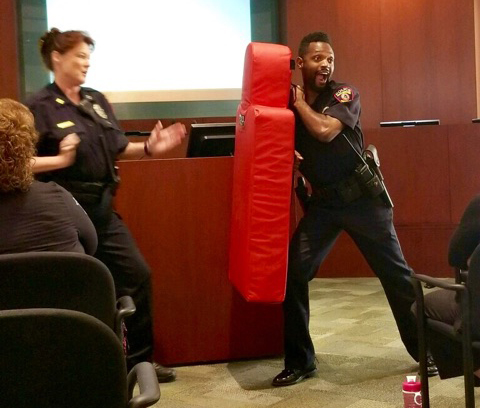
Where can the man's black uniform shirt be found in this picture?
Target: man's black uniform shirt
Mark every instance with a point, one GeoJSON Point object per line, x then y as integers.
{"type": "Point", "coordinates": [328, 163]}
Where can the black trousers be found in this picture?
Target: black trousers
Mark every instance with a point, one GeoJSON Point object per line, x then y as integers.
{"type": "Point", "coordinates": [369, 223]}
{"type": "Point", "coordinates": [442, 305]}
{"type": "Point", "coordinates": [132, 276]}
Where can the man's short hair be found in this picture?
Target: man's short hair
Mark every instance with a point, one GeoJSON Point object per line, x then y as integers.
{"type": "Point", "coordinates": [317, 36]}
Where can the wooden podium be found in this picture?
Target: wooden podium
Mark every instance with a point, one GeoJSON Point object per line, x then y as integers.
{"type": "Point", "coordinates": [179, 213]}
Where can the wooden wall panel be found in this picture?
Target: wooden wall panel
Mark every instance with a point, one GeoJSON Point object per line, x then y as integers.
{"type": "Point", "coordinates": [9, 64]}
{"type": "Point", "coordinates": [179, 212]}
{"type": "Point", "coordinates": [453, 73]}
{"type": "Point", "coordinates": [426, 248]}
{"type": "Point", "coordinates": [464, 146]}
{"type": "Point", "coordinates": [421, 76]}
{"type": "Point", "coordinates": [414, 162]}
{"type": "Point", "coordinates": [406, 35]}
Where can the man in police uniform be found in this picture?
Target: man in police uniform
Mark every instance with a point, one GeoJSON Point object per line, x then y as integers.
{"type": "Point", "coordinates": [328, 141]}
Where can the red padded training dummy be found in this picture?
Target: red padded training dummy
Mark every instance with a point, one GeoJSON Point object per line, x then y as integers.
{"type": "Point", "coordinates": [262, 177]}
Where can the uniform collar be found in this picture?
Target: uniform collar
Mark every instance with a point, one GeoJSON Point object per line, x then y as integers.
{"type": "Point", "coordinates": [323, 97]}
{"type": "Point", "coordinates": [60, 97]}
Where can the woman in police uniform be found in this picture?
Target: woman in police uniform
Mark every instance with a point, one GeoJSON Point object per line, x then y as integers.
{"type": "Point", "coordinates": [79, 141]}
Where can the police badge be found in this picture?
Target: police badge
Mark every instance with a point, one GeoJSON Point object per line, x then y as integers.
{"type": "Point", "coordinates": [99, 111]}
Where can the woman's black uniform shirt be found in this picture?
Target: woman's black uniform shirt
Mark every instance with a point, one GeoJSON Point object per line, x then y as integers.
{"type": "Point", "coordinates": [56, 117]}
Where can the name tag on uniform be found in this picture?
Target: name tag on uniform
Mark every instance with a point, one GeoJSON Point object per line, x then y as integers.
{"type": "Point", "coordinates": [67, 124]}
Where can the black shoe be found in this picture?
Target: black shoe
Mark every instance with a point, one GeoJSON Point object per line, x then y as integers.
{"type": "Point", "coordinates": [290, 377]}
{"type": "Point", "coordinates": [164, 374]}
{"type": "Point", "coordinates": [432, 369]}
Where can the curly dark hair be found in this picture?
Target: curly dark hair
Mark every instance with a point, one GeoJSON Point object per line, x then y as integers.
{"type": "Point", "coordinates": [317, 36]}
{"type": "Point", "coordinates": [17, 146]}
{"type": "Point", "coordinates": [56, 40]}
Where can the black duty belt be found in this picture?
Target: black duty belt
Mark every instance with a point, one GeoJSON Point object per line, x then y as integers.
{"type": "Point", "coordinates": [345, 191]}
{"type": "Point", "coordinates": [86, 193]}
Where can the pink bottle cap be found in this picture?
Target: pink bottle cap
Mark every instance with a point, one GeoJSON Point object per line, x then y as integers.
{"type": "Point", "coordinates": [412, 385]}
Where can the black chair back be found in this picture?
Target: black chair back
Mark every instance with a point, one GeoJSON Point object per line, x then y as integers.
{"type": "Point", "coordinates": [60, 280]}
{"type": "Point", "coordinates": [57, 358]}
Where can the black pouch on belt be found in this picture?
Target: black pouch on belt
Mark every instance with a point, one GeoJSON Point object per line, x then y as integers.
{"type": "Point", "coordinates": [369, 181]}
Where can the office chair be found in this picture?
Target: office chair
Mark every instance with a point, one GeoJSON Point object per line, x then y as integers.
{"type": "Point", "coordinates": [467, 287]}
{"type": "Point", "coordinates": [62, 280]}
{"type": "Point", "coordinates": [58, 358]}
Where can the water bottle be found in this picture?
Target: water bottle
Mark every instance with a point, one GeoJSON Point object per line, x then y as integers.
{"type": "Point", "coordinates": [412, 396]}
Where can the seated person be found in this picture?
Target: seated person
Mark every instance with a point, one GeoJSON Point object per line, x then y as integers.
{"type": "Point", "coordinates": [35, 216]}
{"type": "Point", "coordinates": [444, 305]}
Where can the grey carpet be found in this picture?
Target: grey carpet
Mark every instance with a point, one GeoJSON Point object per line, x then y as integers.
{"type": "Point", "coordinates": [361, 362]}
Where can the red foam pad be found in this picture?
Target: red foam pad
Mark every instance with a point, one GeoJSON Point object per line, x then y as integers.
{"type": "Point", "coordinates": [262, 180]}
{"type": "Point", "coordinates": [266, 75]}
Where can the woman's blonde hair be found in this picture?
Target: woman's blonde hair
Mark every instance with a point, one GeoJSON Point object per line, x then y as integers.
{"type": "Point", "coordinates": [17, 146]}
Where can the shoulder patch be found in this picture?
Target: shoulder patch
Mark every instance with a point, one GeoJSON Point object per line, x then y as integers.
{"type": "Point", "coordinates": [344, 94]}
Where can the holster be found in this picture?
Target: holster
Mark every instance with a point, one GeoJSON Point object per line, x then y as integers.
{"type": "Point", "coordinates": [301, 191]}
{"type": "Point", "coordinates": [371, 158]}
{"type": "Point", "coordinates": [369, 181]}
